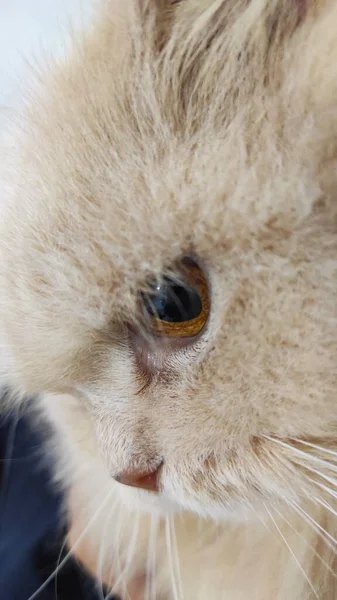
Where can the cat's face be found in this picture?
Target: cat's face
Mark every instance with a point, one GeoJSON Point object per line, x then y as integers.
{"type": "Point", "coordinates": [215, 145]}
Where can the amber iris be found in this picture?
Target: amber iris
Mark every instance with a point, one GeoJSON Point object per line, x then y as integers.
{"type": "Point", "coordinates": [178, 307]}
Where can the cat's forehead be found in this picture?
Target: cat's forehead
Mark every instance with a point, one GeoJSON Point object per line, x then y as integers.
{"type": "Point", "coordinates": [138, 154]}
{"type": "Point", "coordinates": [196, 143]}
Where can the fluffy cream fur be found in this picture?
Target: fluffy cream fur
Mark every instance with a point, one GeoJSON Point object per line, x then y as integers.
{"type": "Point", "coordinates": [207, 127]}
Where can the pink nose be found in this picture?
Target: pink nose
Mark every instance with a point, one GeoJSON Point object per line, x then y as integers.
{"type": "Point", "coordinates": [146, 481]}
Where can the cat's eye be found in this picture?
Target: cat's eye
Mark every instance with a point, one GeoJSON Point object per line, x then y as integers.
{"type": "Point", "coordinates": [178, 307]}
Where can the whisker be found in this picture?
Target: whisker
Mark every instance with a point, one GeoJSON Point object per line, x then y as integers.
{"type": "Point", "coordinates": [316, 526]}
{"type": "Point", "coordinates": [170, 558]}
{"type": "Point", "coordinates": [316, 447]}
{"type": "Point", "coordinates": [302, 453]}
{"type": "Point", "coordinates": [18, 458]}
{"type": "Point", "coordinates": [260, 518]}
{"type": "Point", "coordinates": [117, 560]}
{"type": "Point", "coordinates": [58, 564]}
{"type": "Point", "coordinates": [176, 557]}
{"type": "Point", "coordinates": [292, 553]}
{"type": "Point", "coordinates": [322, 475]}
{"type": "Point", "coordinates": [325, 564]}
{"type": "Point", "coordinates": [324, 487]}
{"type": "Point", "coordinates": [100, 559]}
{"type": "Point", "coordinates": [69, 554]}
{"type": "Point", "coordinates": [116, 543]}
{"type": "Point", "coordinates": [131, 550]}
{"type": "Point", "coordinates": [325, 505]}
{"type": "Point", "coordinates": [150, 583]}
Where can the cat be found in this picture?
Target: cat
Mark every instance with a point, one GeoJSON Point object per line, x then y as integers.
{"type": "Point", "coordinates": [168, 273]}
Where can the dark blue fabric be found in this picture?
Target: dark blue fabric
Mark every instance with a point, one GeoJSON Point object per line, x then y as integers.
{"type": "Point", "coordinates": [31, 528]}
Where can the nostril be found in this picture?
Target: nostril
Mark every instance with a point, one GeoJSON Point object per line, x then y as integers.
{"type": "Point", "coordinates": [143, 480]}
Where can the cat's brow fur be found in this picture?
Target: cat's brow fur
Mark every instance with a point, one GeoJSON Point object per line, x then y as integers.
{"type": "Point", "coordinates": [206, 128]}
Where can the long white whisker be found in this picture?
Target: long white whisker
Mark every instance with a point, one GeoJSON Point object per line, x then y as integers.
{"type": "Point", "coordinates": [57, 565]}
{"type": "Point", "coordinates": [148, 564]}
{"type": "Point", "coordinates": [317, 527]}
{"type": "Point", "coordinates": [69, 554]}
{"type": "Point", "coordinates": [17, 459]}
{"type": "Point", "coordinates": [326, 565]}
{"type": "Point", "coordinates": [154, 559]}
{"type": "Point", "coordinates": [260, 518]}
{"type": "Point", "coordinates": [131, 550]}
{"type": "Point", "coordinates": [325, 505]}
{"type": "Point", "coordinates": [116, 544]}
{"type": "Point", "coordinates": [292, 553]}
{"type": "Point", "coordinates": [322, 475]}
{"type": "Point", "coordinates": [170, 559]}
{"type": "Point", "coordinates": [302, 453]}
{"type": "Point", "coordinates": [316, 447]}
{"type": "Point", "coordinates": [150, 583]}
{"type": "Point", "coordinates": [324, 487]}
{"type": "Point", "coordinates": [176, 557]}
{"type": "Point", "coordinates": [117, 562]}
{"type": "Point", "coordinates": [100, 560]}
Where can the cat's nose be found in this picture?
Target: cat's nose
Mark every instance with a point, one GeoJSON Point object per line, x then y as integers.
{"type": "Point", "coordinates": [143, 480]}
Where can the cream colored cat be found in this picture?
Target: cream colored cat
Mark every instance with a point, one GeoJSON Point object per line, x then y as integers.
{"type": "Point", "coordinates": [168, 273]}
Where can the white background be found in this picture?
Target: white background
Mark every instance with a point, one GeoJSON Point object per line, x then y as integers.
{"type": "Point", "coordinates": [30, 30]}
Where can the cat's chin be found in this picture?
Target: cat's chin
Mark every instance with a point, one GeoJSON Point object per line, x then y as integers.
{"type": "Point", "coordinates": [147, 502]}
{"type": "Point", "coordinates": [163, 505]}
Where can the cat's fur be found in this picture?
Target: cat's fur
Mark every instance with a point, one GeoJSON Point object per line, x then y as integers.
{"type": "Point", "coordinates": [205, 127]}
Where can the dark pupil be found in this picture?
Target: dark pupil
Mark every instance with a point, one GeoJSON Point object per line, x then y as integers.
{"type": "Point", "coordinates": [174, 303]}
